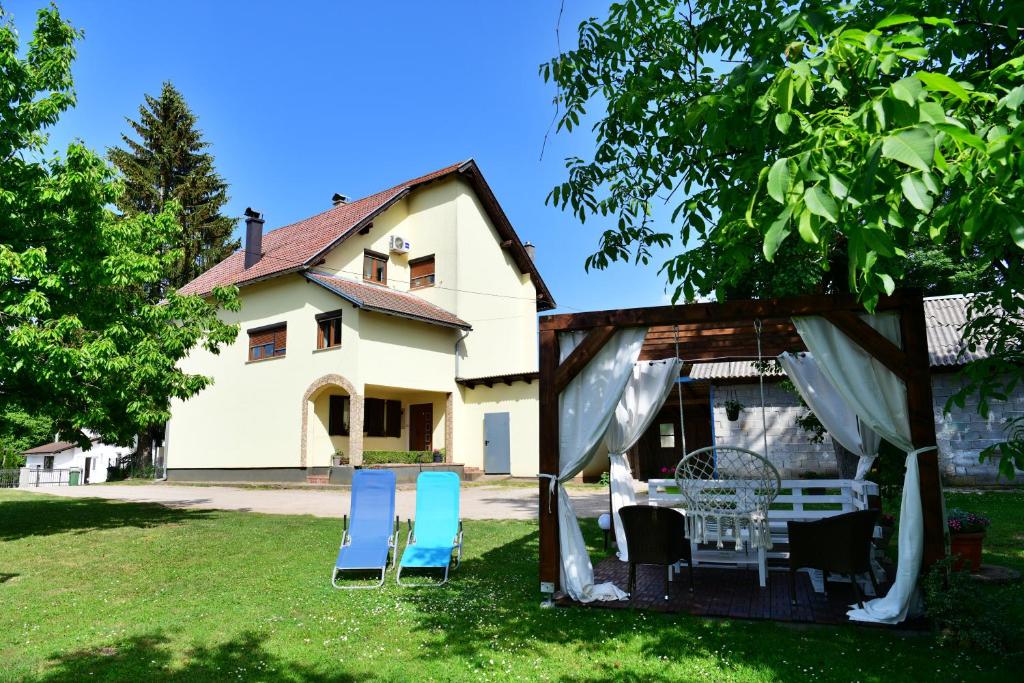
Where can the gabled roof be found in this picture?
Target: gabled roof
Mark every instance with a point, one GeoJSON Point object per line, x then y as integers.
{"type": "Point", "coordinates": [382, 299]}
{"type": "Point", "coordinates": [53, 447]}
{"type": "Point", "coordinates": [300, 245]}
{"type": "Point", "coordinates": [944, 318]}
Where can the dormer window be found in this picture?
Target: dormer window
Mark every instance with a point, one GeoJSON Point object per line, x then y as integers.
{"type": "Point", "coordinates": [421, 272]}
{"type": "Point", "coordinates": [375, 267]}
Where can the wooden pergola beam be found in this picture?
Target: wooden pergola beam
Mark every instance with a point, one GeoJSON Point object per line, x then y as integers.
{"type": "Point", "coordinates": [582, 355]}
{"type": "Point", "coordinates": [871, 340]}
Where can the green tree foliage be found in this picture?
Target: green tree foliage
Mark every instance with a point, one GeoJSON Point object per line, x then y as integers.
{"type": "Point", "coordinates": [170, 162]}
{"type": "Point", "coordinates": [19, 432]}
{"type": "Point", "coordinates": [80, 343]}
{"type": "Point", "coordinates": [827, 137]}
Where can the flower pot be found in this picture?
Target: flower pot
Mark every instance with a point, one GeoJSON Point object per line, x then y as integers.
{"type": "Point", "coordinates": [733, 413]}
{"type": "Point", "coordinates": [883, 542]}
{"type": "Point", "coordinates": [438, 457]}
{"type": "Point", "coordinates": [966, 549]}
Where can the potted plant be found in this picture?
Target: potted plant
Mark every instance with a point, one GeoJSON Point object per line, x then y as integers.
{"type": "Point", "coordinates": [438, 456]}
{"type": "Point", "coordinates": [732, 409]}
{"type": "Point", "coordinates": [887, 523]}
{"type": "Point", "coordinates": [339, 458]}
{"type": "Point", "coordinates": [966, 533]}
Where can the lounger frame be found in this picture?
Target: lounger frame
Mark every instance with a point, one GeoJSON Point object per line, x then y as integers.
{"type": "Point", "coordinates": [390, 559]}
{"type": "Point", "coordinates": [456, 548]}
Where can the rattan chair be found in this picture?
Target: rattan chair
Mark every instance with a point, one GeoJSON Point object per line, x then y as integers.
{"type": "Point", "coordinates": [840, 544]}
{"type": "Point", "coordinates": [655, 535]}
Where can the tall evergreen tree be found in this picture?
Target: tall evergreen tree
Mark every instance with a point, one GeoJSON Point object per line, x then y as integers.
{"type": "Point", "coordinates": [170, 162]}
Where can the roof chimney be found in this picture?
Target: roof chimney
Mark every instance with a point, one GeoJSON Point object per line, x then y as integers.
{"type": "Point", "coordinates": [253, 237]}
{"type": "Point", "coordinates": [338, 199]}
{"type": "Point", "coordinates": [531, 250]}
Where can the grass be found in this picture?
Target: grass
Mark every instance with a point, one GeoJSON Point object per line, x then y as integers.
{"type": "Point", "coordinates": [102, 590]}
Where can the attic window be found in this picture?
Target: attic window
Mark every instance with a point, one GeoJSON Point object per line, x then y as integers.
{"type": "Point", "coordinates": [375, 267]}
{"type": "Point", "coordinates": [421, 272]}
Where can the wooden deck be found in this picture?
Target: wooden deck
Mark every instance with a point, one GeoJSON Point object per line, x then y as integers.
{"type": "Point", "coordinates": [731, 593]}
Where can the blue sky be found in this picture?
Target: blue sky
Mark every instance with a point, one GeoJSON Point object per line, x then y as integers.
{"type": "Point", "coordinates": [304, 99]}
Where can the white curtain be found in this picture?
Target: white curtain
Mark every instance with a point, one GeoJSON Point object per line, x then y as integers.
{"type": "Point", "coordinates": [879, 398]}
{"type": "Point", "coordinates": [648, 387]}
{"type": "Point", "coordinates": [832, 410]}
{"type": "Point", "coordinates": [586, 406]}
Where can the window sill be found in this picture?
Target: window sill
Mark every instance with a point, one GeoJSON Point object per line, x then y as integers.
{"type": "Point", "coordinates": [328, 348]}
{"type": "Point", "coordinates": [264, 360]}
{"type": "Point", "coordinates": [413, 289]}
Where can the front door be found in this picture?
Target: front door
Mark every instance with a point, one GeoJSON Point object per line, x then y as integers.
{"type": "Point", "coordinates": [661, 447]}
{"type": "Point", "coordinates": [497, 450]}
{"type": "Point", "coordinates": [421, 427]}
{"type": "Point", "coordinates": [88, 466]}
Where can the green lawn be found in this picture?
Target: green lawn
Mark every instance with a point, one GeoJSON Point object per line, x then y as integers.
{"type": "Point", "coordinates": [96, 590]}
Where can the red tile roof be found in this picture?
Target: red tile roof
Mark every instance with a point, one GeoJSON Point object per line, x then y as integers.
{"type": "Point", "coordinates": [386, 300]}
{"type": "Point", "coordinates": [296, 246]}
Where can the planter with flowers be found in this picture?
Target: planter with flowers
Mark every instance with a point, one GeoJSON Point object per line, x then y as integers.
{"type": "Point", "coordinates": [732, 409]}
{"type": "Point", "coordinates": [966, 534]}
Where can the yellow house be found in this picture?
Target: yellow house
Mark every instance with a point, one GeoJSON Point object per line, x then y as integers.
{"type": "Point", "coordinates": [406, 320]}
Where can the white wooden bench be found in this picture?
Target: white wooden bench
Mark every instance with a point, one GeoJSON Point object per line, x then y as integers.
{"type": "Point", "coordinates": [799, 500]}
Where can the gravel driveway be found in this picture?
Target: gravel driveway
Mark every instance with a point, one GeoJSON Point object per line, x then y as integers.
{"type": "Point", "coordinates": [478, 502]}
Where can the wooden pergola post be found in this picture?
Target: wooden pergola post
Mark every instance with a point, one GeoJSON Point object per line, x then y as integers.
{"type": "Point", "coordinates": [706, 338]}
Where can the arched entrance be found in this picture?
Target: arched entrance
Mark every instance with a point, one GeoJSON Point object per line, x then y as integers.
{"type": "Point", "coordinates": [318, 441]}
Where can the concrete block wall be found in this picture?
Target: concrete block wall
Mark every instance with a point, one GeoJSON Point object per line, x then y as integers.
{"type": "Point", "coordinates": [962, 434]}
{"type": "Point", "coordinates": [788, 446]}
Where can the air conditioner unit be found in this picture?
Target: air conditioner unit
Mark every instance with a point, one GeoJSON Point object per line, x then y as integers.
{"type": "Point", "coordinates": [399, 245]}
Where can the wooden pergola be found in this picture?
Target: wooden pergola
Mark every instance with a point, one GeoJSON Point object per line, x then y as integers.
{"type": "Point", "coordinates": [718, 331]}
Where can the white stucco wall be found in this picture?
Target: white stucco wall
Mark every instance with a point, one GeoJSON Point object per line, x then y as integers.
{"type": "Point", "coordinates": [520, 401]}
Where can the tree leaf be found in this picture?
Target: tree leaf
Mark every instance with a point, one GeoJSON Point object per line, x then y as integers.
{"type": "Point", "coordinates": [907, 90]}
{"type": "Point", "coordinates": [962, 135]}
{"type": "Point", "coordinates": [807, 231]}
{"type": "Point", "coordinates": [1015, 228]}
{"type": "Point", "coordinates": [783, 121]}
{"type": "Point", "coordinates": [838, 186]}
{"type": "Point", "coordinates": [943, 83]}
{"type": "Point", "coordinates": [779, 180]}
{"type": "Point", "coordinates": [895, 20]}
{"type": "Point", "coordinates": [1013, 99]}
{"type": "Point", "coordinates": [916, 193]}
{"type": "Point", "coordinates": [821, 203]}
{"type": "Point", "coordinates": [777, 232]}
{"type": "Point", "coordinates": [914, 147]}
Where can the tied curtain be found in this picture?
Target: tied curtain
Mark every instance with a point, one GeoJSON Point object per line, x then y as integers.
{"type": "Point", "coordinates": [879, 399]}
{"type": "Point", "coordinates": [646, 390]}
{"type": "Point", "coordinates": [586, 407]}
{"type": "Point", "coordinates": [832, 410]}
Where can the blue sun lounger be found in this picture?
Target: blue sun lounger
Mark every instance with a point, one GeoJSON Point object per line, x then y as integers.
{"type": "Point", "coordinates": [438, 531]}
{"type": "Point", "coordinates": [367, 544]}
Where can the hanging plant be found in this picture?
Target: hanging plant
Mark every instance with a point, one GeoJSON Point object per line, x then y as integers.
{"type": "Point", "coordinates": [732, 409]}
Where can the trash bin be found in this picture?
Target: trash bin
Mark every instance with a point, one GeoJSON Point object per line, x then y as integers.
{"type": "Point", "coordinates": [73, 476]}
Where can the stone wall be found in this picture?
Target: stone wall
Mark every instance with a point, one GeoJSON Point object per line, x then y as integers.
{"type": "Point", "coordinates": [961, 435]}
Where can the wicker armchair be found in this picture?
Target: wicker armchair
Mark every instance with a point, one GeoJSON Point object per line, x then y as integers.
{"type": "Point", "coordinates": [655, 535]}
{"type": "Point", "coordinates": [839, 544]}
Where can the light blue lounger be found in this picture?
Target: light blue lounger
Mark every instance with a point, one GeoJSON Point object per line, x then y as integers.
{"type": "Point", "coordinates": [438, 531]}
{"type": "Point", "coordinates": [366, 544]}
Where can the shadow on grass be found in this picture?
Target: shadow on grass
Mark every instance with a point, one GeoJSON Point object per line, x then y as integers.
{"type": "Point", "coordinates": [492, 606]}
{"type": "Point", "coordinates": [45, 515]}
{"type": "Point", "coordinates": [148, 658]}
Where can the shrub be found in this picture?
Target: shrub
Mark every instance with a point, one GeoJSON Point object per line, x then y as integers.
{"type": "Point", "coordinates": [962, 614]}
{"type": "Point", "coordinates": [397, 457]}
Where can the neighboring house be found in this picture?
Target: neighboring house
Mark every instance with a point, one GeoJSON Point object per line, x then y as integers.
{"type": "Point", "coordinates": [65, 455]}
{"type": "Point", "coordinates": [406, 320]}
{"type": "Point", "coordinates": [961, 434]}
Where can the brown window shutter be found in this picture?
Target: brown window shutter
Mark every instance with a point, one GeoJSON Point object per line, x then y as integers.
{"type": "Point", "coordinates": [421, 272]}
{"type": "Point", "coordinates": [373, 416]}
{"type": "Point", "coordinates": [393, 418]}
